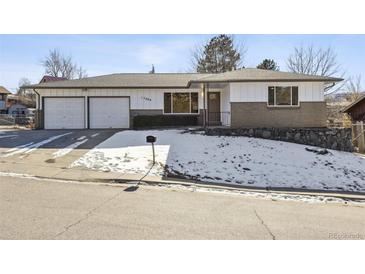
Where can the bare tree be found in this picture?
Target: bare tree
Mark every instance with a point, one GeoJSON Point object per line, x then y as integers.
{"type": "Point", "coordinates": [52, 63]}
{"type": "Point", "coordinates": [197, 54]}
{"type": "Point", "coordinates": [58, 65]}
{"type": "Point", "coordinates": [323, 62]}
{"type": "Point", "coordinates": [68, 69]}
{"type": "Point", "coordinates": [22, 82]}
{"type": "Point", "coordinates": [25, 93]}
{"type": "Point", "coordinates": [81, 73]}
{"type": "Point", "coordinates": [354, 88]}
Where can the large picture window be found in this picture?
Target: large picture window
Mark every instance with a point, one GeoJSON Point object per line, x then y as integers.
{"type": "Point", "coordinates": [181, 102]}
{"type": "Point", "coordinates": [283, 96]}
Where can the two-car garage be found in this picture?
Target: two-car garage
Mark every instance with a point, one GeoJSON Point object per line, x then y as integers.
{"type": "Point", "coordinates": [64, 112]}
{"type": "Point", "coordinates": [86, 112]}
{"type": "Point", "coordinates": [108, 112]}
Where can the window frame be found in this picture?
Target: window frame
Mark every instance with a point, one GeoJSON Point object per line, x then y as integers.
{"type": "Point", "coordinates": [282, 106]}
{"type": "Point", "coordinates": [172, 107]}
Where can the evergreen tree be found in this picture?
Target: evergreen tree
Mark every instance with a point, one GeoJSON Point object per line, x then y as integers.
{"type": "Point", "coordinates": [268, 64]}
{"type": "Point", "coordinates": [218, 55]}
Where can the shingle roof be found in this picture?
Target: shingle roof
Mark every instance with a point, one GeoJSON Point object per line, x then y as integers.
{"type": "Point", "coordinates": [182, 80]}
{"type": "Point", "coordinates": [260, 75]}
{"type": "Point", "coordinates": [4, 90]}
{"type": "Point", "coordinates": [124, 80]}
{"type": "Point", "coordinates": [347, 109]}
{"type": "Point", "coordinates": [48, 78]}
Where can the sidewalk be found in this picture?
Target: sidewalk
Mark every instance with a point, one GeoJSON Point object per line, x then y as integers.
{"type": "Point", "coordinates": [12, 127]}
{"type": "Point", "coordinates": [86, 175]}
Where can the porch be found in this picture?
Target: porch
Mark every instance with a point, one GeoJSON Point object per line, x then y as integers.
{"type": "Point", "coordinates": [216, 111]}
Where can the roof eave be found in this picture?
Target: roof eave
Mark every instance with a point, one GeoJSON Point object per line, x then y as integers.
{"type": "Point", "coordinates": [350, 106]}
{"type": "Point", "coordinates": [201, 81]}
{"type": "Point", "coordinates": [268, 80]}
{"type": "Point", "coordinates": [110, 87]}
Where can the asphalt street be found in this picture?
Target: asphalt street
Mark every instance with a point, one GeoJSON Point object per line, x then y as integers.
{"type": "Point", "coordinates": [49, 209]}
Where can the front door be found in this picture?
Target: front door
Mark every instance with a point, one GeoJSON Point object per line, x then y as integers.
{"type": "Point", "coordinates": [214, 108]}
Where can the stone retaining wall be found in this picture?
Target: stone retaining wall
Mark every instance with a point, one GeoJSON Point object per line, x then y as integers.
{"type": "Point", "coordinates": [331, 138]}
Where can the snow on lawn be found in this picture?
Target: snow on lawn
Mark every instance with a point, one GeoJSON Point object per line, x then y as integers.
{"type": "Point", "coordinates": [226, 159]}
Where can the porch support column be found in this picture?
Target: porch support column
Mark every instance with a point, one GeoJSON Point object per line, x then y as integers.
{"type": "Point", "coordinates": [204, 106]}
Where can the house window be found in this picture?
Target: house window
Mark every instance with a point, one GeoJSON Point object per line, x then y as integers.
{"type": "Point", "coordinates": [181, 102]}
{"type": "Point", "coordinates": [283, 96]}
{"type": "Point", "coordinates": [194, 102]}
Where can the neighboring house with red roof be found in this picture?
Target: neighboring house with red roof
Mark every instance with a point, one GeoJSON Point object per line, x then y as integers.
{"type": "Point", "coordinates": [47, 78]}
{"type": "Point", "coordinates": [19, 105]}
{"type": "Point", "coordinates": [3, 99]}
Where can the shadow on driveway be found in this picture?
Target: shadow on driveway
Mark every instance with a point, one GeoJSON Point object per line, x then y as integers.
{"type": "Point", "coordinates": [13, 139]}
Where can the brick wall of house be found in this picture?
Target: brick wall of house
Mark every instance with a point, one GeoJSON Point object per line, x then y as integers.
{"type": "Point", "coordinates": [255, 114]}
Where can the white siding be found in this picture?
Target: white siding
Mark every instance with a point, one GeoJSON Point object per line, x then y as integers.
{"type": "Point", "coordinates": [225, 106]}
{"type": "Point", "coordinates": [257, 92]}
{"type": "Point", "coordinates": [236, 92]}
{"type": "Point", "coordinates": [140, 98]}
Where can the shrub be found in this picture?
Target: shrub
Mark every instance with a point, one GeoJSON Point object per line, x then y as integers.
{"type": "Point", "coordinates": [145, 121]}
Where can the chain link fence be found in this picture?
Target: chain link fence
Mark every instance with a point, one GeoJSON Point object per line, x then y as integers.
{"type": "Point", "coordinates": [17, 120]}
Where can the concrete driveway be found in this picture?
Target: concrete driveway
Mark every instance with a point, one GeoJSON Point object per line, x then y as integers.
{"type": "Point", "coordinates": [48, 209]}
{"type": "Point", "coordinates": [46, 152]}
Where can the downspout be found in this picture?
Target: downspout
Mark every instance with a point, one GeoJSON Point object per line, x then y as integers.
{"type": "Point", "coordinates": [38, 108]}
{"type": "Point", "coordinates": [330, 86]}
{"type": "Point", "coordinates": [207, 115]}
{"type": "Point", "coordinates": [38, 98]}
{"type": "Point", "coordinates": [204, 108]}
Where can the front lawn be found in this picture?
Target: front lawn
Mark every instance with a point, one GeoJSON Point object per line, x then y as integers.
{"type": "Point", "coordinates": [233, 160]}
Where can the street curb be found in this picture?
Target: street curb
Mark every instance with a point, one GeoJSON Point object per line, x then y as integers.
{"type": "Point", "coordinates": [290, 191]}
{"type": "Point", "coordinates": [346, 195]}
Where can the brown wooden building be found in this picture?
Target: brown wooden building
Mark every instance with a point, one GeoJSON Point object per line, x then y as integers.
{"type": "Point", "coordinates": [356, 110]}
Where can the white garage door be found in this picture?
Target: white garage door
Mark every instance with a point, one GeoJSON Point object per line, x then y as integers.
{"type": "Point", "coordinates": [66, 113]}
{"type": "Point", "coordinates": [112, 112]}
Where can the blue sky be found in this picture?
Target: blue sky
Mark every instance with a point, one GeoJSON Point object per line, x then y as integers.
{"type": "Point", "coordinates": [20, 55]}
